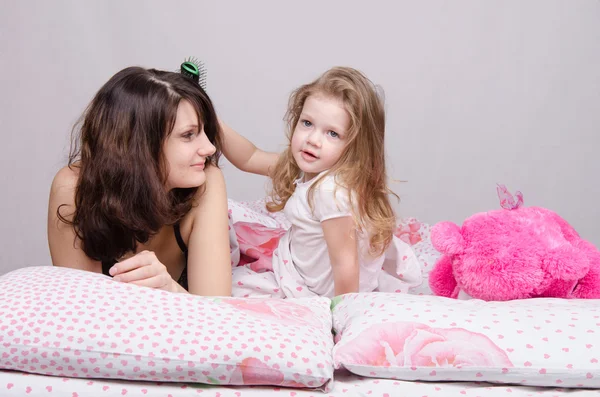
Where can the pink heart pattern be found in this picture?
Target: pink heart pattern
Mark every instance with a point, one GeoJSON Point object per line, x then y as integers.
{"type": "Point", "coordinates": [346, 385]}
{"type": "Point", "coordinates": [470, 340]}
{"type": "Point", "coordinates": [70, 323]}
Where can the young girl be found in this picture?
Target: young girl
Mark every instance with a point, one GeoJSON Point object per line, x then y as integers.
{"type": "Point", "coordinates": [331, 184]}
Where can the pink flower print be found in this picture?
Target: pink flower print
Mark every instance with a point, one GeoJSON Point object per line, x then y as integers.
{"type": "Point", "coordinates": [255, 306]}
{"type": "Point", "coordinates": [252, 371]}
{"type": "Point", "coordinates": [409, 232]}
{"type": "Point", "coordinates": [279, 310]}
{"type": "Point", "coordinates": [292, 383]}
{"type": "Point", "coordinates": [291, 312]}
{"type": "Point", "coordinates": [405, 344]}
{"type": "Point", "coordinates": [257, 243]}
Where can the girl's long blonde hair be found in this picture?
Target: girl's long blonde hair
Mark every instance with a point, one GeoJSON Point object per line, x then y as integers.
{"type": "Point", "coordinates": [361, 168]}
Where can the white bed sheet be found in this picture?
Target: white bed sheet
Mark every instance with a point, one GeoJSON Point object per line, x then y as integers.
{"type": "Point", "coordinates": [346, 385]}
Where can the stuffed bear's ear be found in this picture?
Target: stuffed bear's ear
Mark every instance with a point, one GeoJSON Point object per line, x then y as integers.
{"type": "Point", "coordinates": [446, 238]}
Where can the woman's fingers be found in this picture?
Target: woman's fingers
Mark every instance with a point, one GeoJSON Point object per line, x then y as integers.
{"type": "Point", "coordinates": [143, 258]}
{"type": "Point", "coordinates": [159, 282]}
{"type": "Point", "coordinates": [143, 269]}
{"type": "Point", "coordinates": [140, 273]}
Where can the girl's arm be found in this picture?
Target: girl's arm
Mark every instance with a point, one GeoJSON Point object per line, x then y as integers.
{"type": "Point", "coordinates": [64, 245]}
{"type": "Point", "coordinates": [244, 155]}
{"type": "Point", "coordinates": [341, 239]}
{"type": "Point", "coordinates": [209, 260]}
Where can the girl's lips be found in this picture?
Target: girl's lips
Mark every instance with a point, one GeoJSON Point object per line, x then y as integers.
{"type": "Point", "coordinates": [308, 156]}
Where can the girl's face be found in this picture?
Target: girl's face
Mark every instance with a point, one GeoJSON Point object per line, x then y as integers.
{"type": "Point", "coordinates": [186, 149]}
{"type": "Point", "coordinates": [320, 137]}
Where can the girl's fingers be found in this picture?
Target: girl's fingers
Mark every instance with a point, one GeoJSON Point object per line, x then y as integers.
{"type": "Point", "coordinates": [143, 258]}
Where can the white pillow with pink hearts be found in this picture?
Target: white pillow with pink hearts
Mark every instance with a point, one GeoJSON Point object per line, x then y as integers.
{"type": "Point", "coordinates": [541, 342]}
{"type": "Point", "coordinates": [65, 322]}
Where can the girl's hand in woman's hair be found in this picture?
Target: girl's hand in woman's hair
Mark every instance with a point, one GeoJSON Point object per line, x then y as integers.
{"type": "Point", "coordinates": [143, 269]}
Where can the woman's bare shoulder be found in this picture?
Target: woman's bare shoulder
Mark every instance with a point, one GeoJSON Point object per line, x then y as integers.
{"type": "Point", "coordinates": [62, 192]}
{"type": "Point", "coordinates": [207, 197]}
{"type": "Point", "coordinates": [214, 184]}
{"type": "Point", "coordinates": [64, 182]}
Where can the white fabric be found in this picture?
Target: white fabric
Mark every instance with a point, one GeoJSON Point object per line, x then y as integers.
{"type": "Point", "coordinates": [61, 321]}
{"type": "Point", "coordinates": [247, 283]}
{"type": "Point", "coordinates": [301, 262]}
{"type": "Point", "coordinates": [19, 384]}
{"type": "Point", "coordinates": [537, 342]}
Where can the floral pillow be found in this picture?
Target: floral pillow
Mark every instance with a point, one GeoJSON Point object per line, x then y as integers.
{"type": "Point", "coordinates": [257, 233]}
{"type": "Point", "coordinates": [541, 342]}
{"type": "Point", "coordinates": [65, 322]}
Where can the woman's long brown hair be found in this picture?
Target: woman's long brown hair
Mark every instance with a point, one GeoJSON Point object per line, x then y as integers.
{"type": "Point", "coordinates": [120, 197]}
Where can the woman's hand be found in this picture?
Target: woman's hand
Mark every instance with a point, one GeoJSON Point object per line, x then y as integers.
{"type": "Point", "coordinates": [143, 269]}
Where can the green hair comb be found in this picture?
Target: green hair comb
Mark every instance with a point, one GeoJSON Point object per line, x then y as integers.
{"type": "Point", "coordinates": [195, 70]}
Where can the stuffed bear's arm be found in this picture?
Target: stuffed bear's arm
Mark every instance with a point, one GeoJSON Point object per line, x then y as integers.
{"type": "Point", "coordinates": [569, 262]}
{"type": "Point", "coordinates": [589, 286]}
{"type": "Point", "coordinates": [441, 278]}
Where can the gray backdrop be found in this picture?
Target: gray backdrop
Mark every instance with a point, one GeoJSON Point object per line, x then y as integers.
{"type": "Point", "coordinates": [477, 92]}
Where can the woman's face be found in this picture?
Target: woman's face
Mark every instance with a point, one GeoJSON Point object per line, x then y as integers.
{"type": "Point", "coordinates": [186, 149]}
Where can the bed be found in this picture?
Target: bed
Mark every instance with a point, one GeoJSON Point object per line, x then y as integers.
{"type": "Point", "coordinates": [346, 385]}
{"type": "Point", "coordinates": [72, 333]}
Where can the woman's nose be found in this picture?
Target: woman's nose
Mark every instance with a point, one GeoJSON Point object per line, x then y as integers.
{"type": "Point", "coordinates": [206, 148]}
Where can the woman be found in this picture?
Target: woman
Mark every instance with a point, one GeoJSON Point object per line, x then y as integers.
{"type": "Point", "coordinates": [142, 198]}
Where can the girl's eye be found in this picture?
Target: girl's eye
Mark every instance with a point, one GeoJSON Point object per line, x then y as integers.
{"type": "Point", "coordinates": [306, 123]}
{"type": "Point", "coordinates": [188, 135]}
{"type": "Point", "coordinates": [334, 134]}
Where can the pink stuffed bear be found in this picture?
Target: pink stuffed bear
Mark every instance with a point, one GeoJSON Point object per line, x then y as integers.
{"type": "Point", "coordinates": [514, 253]}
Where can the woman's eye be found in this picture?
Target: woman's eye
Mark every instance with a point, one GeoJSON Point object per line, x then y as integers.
{"type": "Point", "coordinates": [306, 123]}
{"type": "Point", "coordinates": [188, 135]}
{"type": "Point", "coordinates": [334, 134]}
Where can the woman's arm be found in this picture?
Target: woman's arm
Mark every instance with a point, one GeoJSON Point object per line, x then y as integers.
{"type": "Point", "coordinates": [341, 239]}
{"type": "Point", "coordinates": [209, 260]}
{"type": "Point", "coordinates": [65, 250]}
{"type": "Point", "coordinates": [64, 245]}
{"type": "Point", "coordinates": [244, 155]}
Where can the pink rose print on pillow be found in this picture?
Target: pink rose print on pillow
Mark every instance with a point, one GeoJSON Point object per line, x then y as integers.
{"type": "Point", "coordinates": [409, 232]}
{"type": "Point", "coordinates": [252, 371]}
{"type": "Point", "coordinates": [406, 344]}
{"type": "Point", "coordinates": [290, 311]}
{"type": "Point", "coordinates": [279, 310]}
{"type": "Point", "coordinates": [257, 243]}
